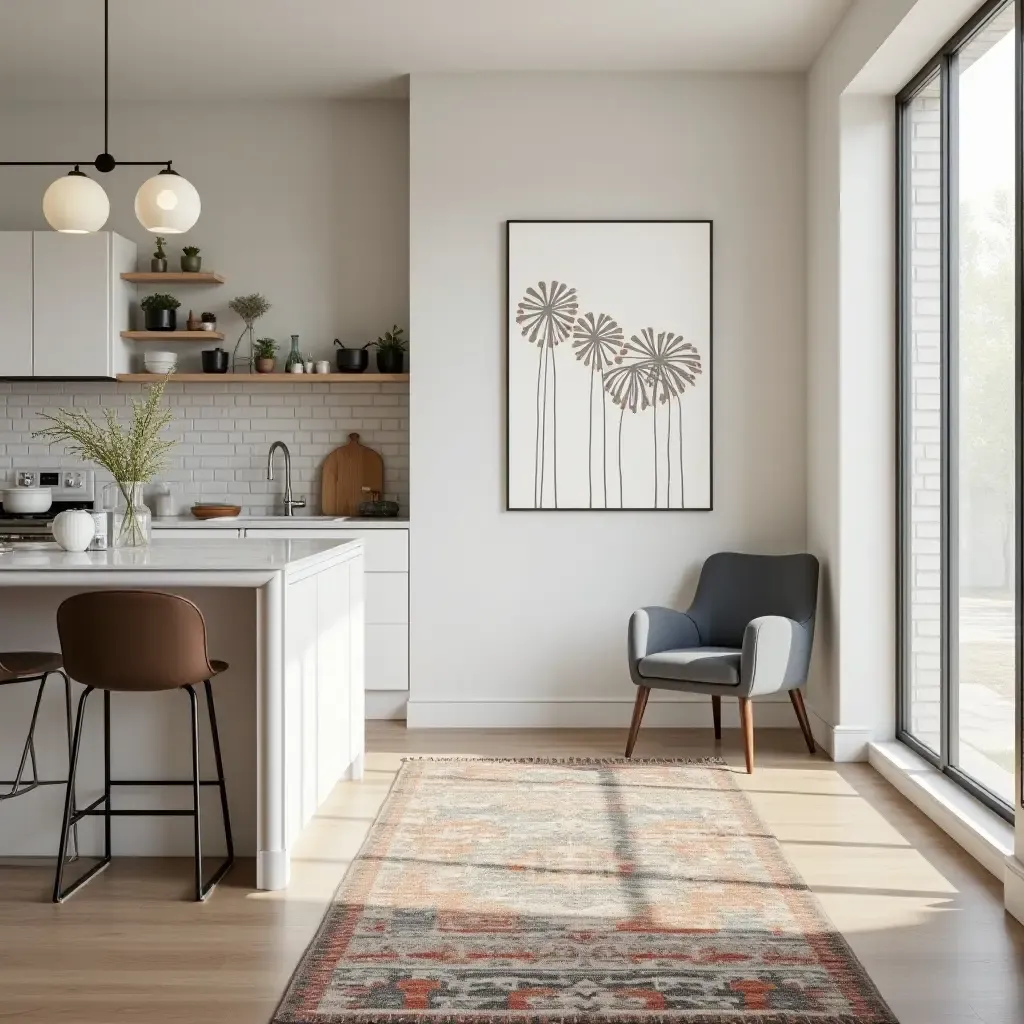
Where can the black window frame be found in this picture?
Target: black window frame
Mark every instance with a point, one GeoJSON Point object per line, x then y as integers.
{"type": "Point", "coordinates": [943, 65]}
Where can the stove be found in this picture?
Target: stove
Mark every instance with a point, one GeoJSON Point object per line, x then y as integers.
{"type": "Point", "coordinates": [71, 486]}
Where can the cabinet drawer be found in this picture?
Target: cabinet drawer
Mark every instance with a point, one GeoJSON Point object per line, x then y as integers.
{"type": "Point", "coordinates": [384, 550]}
{"type": "Point", "coordinates": [387, 598]}
{"type": "Point", "coordinates": [200, 534]}
{"type": "Point", "coordinates": [387, 657]}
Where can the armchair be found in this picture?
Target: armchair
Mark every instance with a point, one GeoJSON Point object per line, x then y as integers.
{"type": "Point", "coordinates": [748, 633]}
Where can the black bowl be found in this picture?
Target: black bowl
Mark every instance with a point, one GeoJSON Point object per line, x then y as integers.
{"type": "Point", "coordinates": [353, 360]}
{"type": "Point", "coordinates": [215, 360]}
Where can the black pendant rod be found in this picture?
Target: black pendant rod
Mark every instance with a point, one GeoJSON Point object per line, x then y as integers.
{"type": "Point", "coordinates": [104, 162]}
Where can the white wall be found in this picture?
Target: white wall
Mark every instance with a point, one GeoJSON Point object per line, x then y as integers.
{"type": "Point", "coordinates": [306, 202]}
{"type": "Point", "coordinates": [521, 617]}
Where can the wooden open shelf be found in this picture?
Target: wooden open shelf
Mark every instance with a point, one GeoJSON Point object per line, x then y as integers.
{"type": "Point", "coordinates": [173, 335]}
{"type": "Point", "coordinates": [265, 378]}
{"type": "Point", "coordinates": [172, 277]}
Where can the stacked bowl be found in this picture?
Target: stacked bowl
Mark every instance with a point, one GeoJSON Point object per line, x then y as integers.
{"type": "Point", "coordinates": [161, 362]}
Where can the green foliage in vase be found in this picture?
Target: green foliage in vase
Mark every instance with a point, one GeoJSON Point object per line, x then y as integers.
{"type": "Point", "coordinates": [190, 250]}
{"type": "Point", "coordinates": [208, 318]}
{"type": "Point", "coordinates": [249, 307]}
{"type": "Point", "coordinates": [161, 300]}
{"type": "Point", "coordinates": [160, 243]}
{"type": "Point", "coordinates": [264, 348]}
{"type": "Point", "coordinates": [392, 341]}
{"type": "Point", "coordinates": [132, 453]}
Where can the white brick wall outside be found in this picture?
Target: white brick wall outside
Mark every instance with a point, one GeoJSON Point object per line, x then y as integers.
{"type": "Point", "coordinates": [225, 430]}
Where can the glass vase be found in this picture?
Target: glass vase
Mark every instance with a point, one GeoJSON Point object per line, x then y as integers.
{"type": "Point", "coordinates": [243, 363]}
{"type": "Point", "coordinates": [295, 356]}
{"type": "Point", "coordinates": [132, 520]}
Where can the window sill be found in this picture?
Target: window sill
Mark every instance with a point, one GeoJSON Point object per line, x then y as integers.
{"type": "Point", "coordinates": [981, 832]}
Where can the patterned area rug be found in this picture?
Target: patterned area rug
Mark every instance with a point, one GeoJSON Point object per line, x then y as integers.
{"type": "Point", "coordinates": [575, 892]}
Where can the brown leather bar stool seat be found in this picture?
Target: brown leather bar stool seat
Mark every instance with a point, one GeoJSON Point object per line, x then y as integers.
{"type": "Point", "coordinates": [138, 641]}
{"type": "Point", "coordinates": [33, 667]}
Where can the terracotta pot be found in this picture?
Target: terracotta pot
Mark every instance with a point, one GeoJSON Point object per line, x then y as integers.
{"type": "Point", "coordinates": [266, 365]}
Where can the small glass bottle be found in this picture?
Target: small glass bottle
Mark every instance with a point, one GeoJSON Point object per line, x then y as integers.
{"type": "Point", "coordinates": [295, 356]}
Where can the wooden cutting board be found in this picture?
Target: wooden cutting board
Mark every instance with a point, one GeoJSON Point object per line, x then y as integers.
{"type": "Point", "coordinates": [346, 471]}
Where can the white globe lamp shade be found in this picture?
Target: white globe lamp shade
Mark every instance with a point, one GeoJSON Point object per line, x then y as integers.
{"type": "Point", "coordinates": [75, 204]}
{"type": "Point", "coordinates": [167, 204]}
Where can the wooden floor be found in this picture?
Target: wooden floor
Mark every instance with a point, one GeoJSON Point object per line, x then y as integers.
{"type": "Point", "coordinates": [925, 920]}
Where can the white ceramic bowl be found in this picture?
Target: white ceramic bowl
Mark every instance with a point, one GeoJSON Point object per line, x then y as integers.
{"type": "Point", "coordinates": [22, 500]}
{"type": "Point", "coordinates": [161, 362]}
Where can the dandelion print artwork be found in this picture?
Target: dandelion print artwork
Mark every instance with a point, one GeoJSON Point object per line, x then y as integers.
{"type": "Point", "coordinates": [609, 365]}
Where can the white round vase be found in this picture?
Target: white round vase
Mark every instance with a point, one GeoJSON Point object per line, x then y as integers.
{"type": "Point", "coordinates": [74, 529]}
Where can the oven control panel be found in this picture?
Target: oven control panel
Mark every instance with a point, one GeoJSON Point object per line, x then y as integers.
{"type": "Point", "coordinates": [71, 484]}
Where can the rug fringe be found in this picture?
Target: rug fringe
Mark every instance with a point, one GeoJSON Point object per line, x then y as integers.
{"type": "Point", "coordinates": [637, 762]}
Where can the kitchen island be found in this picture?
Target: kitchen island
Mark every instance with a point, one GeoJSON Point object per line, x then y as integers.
{"type": "Point", "coordinates": [288, 618]}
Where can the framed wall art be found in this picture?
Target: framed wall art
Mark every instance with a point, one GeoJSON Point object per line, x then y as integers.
{"type": "Point", "coordinates": [609, 360]}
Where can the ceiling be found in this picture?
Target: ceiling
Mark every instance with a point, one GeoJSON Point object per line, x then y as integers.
{"type": "Point", "coordinates": [237, 49]}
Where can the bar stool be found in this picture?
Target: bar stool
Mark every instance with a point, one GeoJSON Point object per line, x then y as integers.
{"type": "Point", "coordinates": [138, 641]}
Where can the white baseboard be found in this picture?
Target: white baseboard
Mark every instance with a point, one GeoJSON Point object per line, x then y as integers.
{"type": "Point", "coordinates": [981, 832]}
{"type": "Point", "coordinates": [386, 704]}
{"type": "Point", "coordinates": [840, 742]}
{"type": "Point", "coordinates": [1013, 882]}
{"type": "Point", "coordinates": [607, 714]}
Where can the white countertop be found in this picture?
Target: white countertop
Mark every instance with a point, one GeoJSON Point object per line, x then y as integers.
{"type": "Point", "coordinates": [297, 522]}
{"type": "Point", "coordinates": [199, 555]}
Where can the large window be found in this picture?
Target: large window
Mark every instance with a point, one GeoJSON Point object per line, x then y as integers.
{"type": "Point", "coordinates": [958, 406]}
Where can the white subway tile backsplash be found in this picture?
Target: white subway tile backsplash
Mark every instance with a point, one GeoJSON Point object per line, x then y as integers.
{"type": "Point", "coordinates": [223, 433]}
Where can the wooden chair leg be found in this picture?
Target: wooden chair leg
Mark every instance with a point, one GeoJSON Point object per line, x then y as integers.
{"type": "Point", "coordinates": [801, 714]}
{"type": "Point", "coordinates": [716, 713]}
{"type": "Point", "coordinates": [747, 722]}
{"type": "Point", "coordinates": [642, 693]}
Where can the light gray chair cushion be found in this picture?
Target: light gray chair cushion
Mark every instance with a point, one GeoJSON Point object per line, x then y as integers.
{"type": "Point", "coordinates": [717, 665]}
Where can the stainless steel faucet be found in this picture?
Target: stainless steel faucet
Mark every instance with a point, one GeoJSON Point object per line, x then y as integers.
{"type": "Point", "coordinates": [289, 502]}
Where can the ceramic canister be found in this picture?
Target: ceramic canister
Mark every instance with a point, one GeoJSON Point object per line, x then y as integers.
{"type": "Point", "coordinates": [73, 530]}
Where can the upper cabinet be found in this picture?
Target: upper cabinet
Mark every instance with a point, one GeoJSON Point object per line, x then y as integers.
{"type": "Point", "coordinates": [63, 304]}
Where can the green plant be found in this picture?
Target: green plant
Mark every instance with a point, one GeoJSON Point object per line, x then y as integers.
{"type": "Point", "coordinates": [131, 455]}
{"type": "Point", "coordinates": [264, 348]}
{"type": "Point", "coordinates": [190, 250]}
{"type": "Point", "coordinates": [208, 318]}
{"type": "Point", "coordinates": [160, 243]}
{"type": "Point", "coordinates": [160, 300]}
{"type": "Point", "coordinates": [392, 341]}
{"type": "Point", "coordinates": [250, 308]}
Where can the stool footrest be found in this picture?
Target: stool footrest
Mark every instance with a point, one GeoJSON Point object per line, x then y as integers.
{"type": "Point", "coordinates": [163, 782]}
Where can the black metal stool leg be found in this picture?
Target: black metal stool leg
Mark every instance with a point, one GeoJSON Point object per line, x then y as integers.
{"type": "Point", "coordinates": [71, 736]}
{"type": "Point", "coordinates": [194, 708]}
{"type": "Point", "coordinates": [225, 814]}
{"type": "Point", "coordinates": [28, 753]}
{"type": "Point", "coordinates": [72, 817]}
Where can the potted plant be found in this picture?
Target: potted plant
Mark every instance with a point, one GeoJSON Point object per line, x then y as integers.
{"type": "Point", "coordinates": [158, 264]}
{"type": "Point", "coordinates": [191, 261]}
{"type": "Point", "coordinates": [264, 352]}
{"type": "Point", "coordinates": [208, 321]}
{"type": "Point", "coordinates": [159, 310]}
{"type": "Point", "coordinates": [352, 360]}
{"type": "Point", "coordinates": [250, 308]}
{"type": "Point", "coordinates": [132, 454]}
{"type": "Point", "coordinates": [391, 350]}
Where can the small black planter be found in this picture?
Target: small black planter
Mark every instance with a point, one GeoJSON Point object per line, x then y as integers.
{"type": "Point", "coordinates": [161, 319]}
{"type": "Point", "coordinates": [390, 362]}
{"type": "Point", "coordinates": [215, 360]}
{"type": "Point", "coordinates": [353, 360]}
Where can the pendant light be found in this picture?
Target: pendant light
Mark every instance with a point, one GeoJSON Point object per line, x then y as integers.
{"type": "Point", "coordinates": [166, 204]}
{"type": "Point", "coordinates": [75, 204]}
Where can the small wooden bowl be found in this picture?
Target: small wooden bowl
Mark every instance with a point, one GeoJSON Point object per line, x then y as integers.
{"type": "Point", "coordinates": [216, 511]}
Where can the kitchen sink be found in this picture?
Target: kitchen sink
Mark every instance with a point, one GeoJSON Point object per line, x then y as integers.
{"type": "Point", "coordinates": [292, 519]}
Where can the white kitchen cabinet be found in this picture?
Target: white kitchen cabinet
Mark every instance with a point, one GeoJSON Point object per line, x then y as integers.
{"type": "Point", "coordinates": [386, 581]}
{"type": "Point", "coordinates": [15, 304]}
{"type": "Point", "coordinates": [64, 304]}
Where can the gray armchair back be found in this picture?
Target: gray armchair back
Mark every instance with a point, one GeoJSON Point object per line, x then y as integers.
{"type": "Point", "coordinates": [735, 589]}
